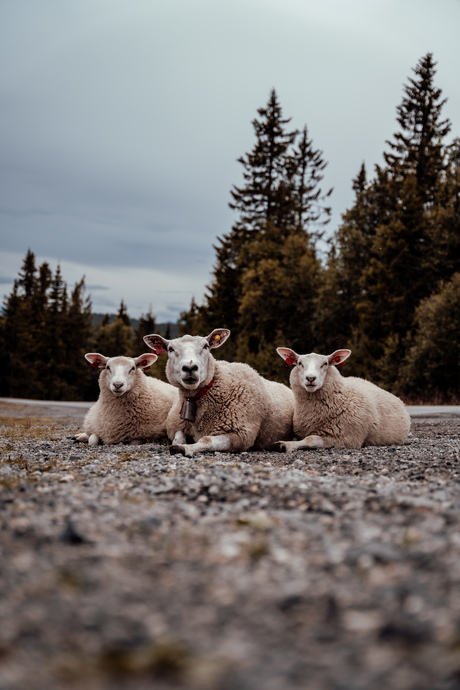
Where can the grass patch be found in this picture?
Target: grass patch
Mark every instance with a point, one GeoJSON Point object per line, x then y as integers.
{"type": "Point", "coordinates": [29, 427]}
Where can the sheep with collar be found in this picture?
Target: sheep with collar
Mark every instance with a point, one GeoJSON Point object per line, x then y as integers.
{"type": "Point", "coordinates": [131, 406]}
{"type": "Point", "coordinates": [222, 406]}
{"type": "Point", "coordinates": [332, 410]}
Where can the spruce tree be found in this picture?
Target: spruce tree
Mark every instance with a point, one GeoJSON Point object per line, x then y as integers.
{"type": "Point", "coordinates": [388, 243]}
{"type": "Point", "coordinates": [444, 219]}
{"type": "Point", "coordinates": [146, 326]}
{"type": "Point", "coordinates": [309, 200]}
{"type": "Point", "coordinates": [118, 337]}
{"type": "Point", "coordinates": [281, 209]}
{"type": "Point", "coordinates": [418, 146]}
{"type": "Point", "coordinates": [43, 336]}
{"type": "Point", "coordinates": [261, 199]}
{"type": "Point", "coordinates": [431, 369]}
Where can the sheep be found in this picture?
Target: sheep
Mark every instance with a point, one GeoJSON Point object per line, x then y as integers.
{"type": "Point", "coordinates": [222, 406]}
{"type": "Point", "coordinates": [131, 406]}
{"type": "Point", "coordinates": [332, 410]}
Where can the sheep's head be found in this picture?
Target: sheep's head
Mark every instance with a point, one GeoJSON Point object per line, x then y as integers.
{"type": "Point", "coordinates": [190, 363]}
{"type": "Point", "coordinates": [311, 370]}
{"type": "Point", "coordinates": [120, 372]}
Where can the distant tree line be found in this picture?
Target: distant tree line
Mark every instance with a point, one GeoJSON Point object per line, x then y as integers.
{"type": "Point", "coordinates": [45, 332]}
{"type": "Point", "coordinates": [389, 288]}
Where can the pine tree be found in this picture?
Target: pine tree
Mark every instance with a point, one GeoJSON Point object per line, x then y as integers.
{"type": "Point", "coordinates": [280, 207]}
{"type": "Point", "coordinates": [341, 289]}
{"type": "Point", "coordinates": [117, 338]}
{"type": "Point", "coordinates": [388, 249]}
{"type": "Point", "coordinates": [23, 334]}
{"type": "Point", "coordinates": [278, 293]}
{"type": "Point", "coordinates": [418, 147]}
{"type": "Point", "coordinates": [431, 370]}
{"type": "Point", "coordinates": [27, 277]}
{"type": "Point", "coordinates": [444, 219]}
{"type": "Point", "coordinates": [146, 326]}
{"type": "Point", "coordinates": [77, 331]}
{"type": "Point", "coordinates": [123, 314]}
{"type": "Point", "coordinates": [306, 174]}
{"type": "Point", "coordinates": [261, 199]}
{"type": "Point", "coordinates": [43, 336]}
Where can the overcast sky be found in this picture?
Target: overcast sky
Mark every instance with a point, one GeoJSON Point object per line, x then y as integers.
{"type": "Point", "coordinates": [121, 122]}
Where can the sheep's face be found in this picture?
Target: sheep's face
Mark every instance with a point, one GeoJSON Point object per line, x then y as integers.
{"type": "Point", "coordinates": [311, 370]}
{"type": "Point", "coordinates": [120, 372]}
{"type": "Point", "coordinates": [190, 363]}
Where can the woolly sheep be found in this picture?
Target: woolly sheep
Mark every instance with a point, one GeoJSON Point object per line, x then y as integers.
{"type": "Point", "coordinates": [223, 406]}
{"type": "Point", "coordinates": [131, 406]}
{"type": "Point", "coordinates": [332, 410]}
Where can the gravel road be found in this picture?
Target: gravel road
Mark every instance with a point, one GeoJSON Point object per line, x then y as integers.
{"type": "Point", "coordinates": [125, 568]}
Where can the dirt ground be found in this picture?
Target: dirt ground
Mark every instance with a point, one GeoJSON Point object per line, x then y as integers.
{"type": "Point", "coordinates": [125, 568]}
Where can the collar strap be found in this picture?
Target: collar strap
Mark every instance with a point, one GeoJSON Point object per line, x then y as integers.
{"type": "Point", "coordinates": [202, 392]}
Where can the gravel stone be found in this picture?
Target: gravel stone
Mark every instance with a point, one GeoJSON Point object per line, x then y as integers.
{"type": "Point", "coordinates": [123, 567]}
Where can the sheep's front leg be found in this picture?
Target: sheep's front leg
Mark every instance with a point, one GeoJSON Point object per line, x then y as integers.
{"type": "Point", "coordinates": [179, 438]}
{"type": "Point", "coordinates": [307, 443]}
{"type": "Point", "coordinates": [81, 437]}
{"type": "Point", "coordinates": [206, 444]}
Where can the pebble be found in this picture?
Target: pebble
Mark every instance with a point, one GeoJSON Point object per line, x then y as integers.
{"type": "Point", "coordinates": [124, 567]}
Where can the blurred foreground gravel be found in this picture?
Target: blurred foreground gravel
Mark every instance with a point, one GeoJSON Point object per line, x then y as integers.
{"type": "Point", "coordinates": [125, 568]}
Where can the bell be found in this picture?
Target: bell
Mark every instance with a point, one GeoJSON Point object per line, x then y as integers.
{"type": "Point", "coordinates": [188, 411]}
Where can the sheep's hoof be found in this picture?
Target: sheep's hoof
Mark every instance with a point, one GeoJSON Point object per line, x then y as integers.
{"type": "Point", "coordinates": [177, 450]}
{"type": "Point", "coordinates": [279, 447]}
{"type": "Point", "coordinates": [80, 438]}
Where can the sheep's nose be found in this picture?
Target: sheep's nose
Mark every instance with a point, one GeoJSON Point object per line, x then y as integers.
{"type": "Point", "coordinates": [311, 379]}
{"type": "Point", "coordinates": [117, 386]}
{"type": "Point", "coordinates": [189, 369]}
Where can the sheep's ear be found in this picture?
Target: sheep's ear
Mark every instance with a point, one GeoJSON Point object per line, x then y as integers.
{"type": "Point", "coordinates": [145, 361]}
{"type": "Point", "coordinates": [338, 357]}
{"type": "Point", "coordinates": [96, 360]}
{"type": "Point", "coordinates": [289, 356]}
{"type": "Point", "coordinates": [218, 337]}
{"type": "Point", "coordinates": [157, 343]}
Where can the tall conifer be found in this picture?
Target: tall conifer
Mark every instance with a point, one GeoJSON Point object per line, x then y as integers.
{"type": "Point", "coordinates": [266, 266]}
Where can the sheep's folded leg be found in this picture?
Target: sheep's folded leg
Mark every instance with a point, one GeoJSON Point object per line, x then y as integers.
{"type": "Point", "coordinates": [81, 437]}
{"type": "Point", "coordinates": [307, 443]}
{"type": "Point", "coordinates": [206, 444]}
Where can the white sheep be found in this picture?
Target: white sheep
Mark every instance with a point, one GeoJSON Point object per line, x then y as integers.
{"type": "Point", "coordinates": [333, 410]}
{"type": "Point", "coordinates": [131, 406]}
{"type": "Point", "coordinates": [223, 406]}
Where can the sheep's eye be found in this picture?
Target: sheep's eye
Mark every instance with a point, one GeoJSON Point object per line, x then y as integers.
{"type": "Point", "coordinates": [170, 349]}
{"type": "Point", "coordinates": [323, 365]}
{"type": "Point", "coordinates": [206, 346]}
{"type": "Point", "coordinates": [132, 369]}
{"type": "Point", "coordinates": [107, 367]}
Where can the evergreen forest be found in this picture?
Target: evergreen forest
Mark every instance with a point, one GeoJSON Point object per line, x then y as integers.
{"type": "Point", "coordinates": [385, 283]}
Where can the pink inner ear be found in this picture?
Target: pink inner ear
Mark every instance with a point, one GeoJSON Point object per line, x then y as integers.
{"type": "Point", "coordinates": [157, 347]}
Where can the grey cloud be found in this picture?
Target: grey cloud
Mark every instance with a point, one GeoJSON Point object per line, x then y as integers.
{"type": "Point", "coordinates": [91, 288]}
{"type": "Point", "coordinates": [120, 124]}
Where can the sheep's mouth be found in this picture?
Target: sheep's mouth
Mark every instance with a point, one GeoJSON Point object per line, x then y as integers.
{"type": "Point", "coordinates": [190, 380]}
